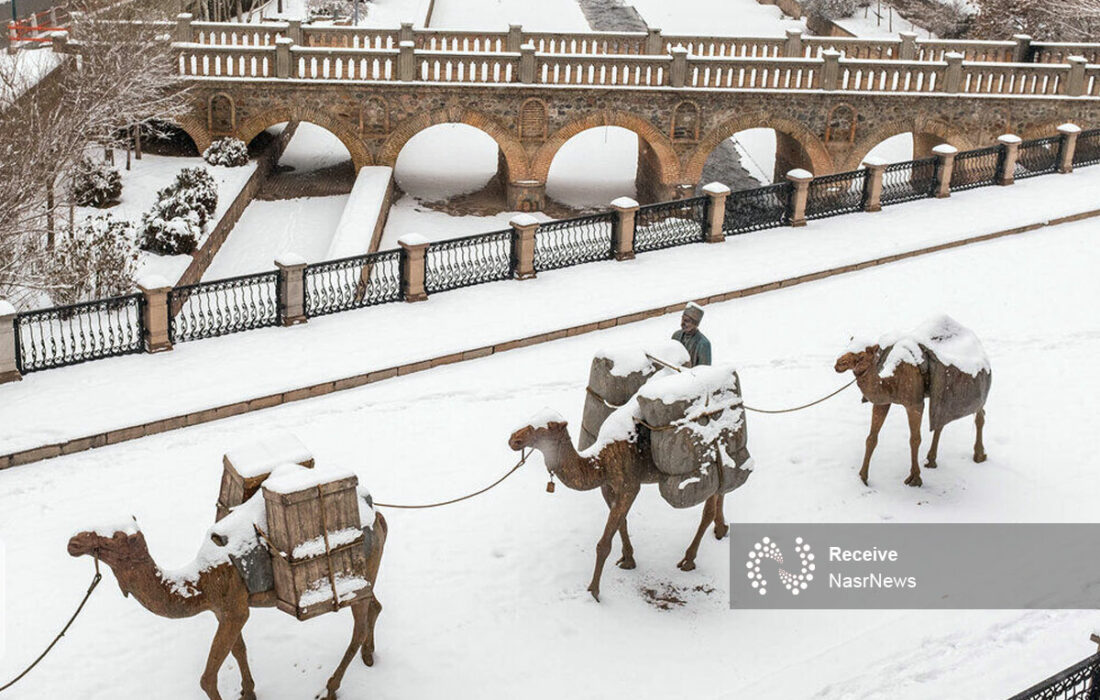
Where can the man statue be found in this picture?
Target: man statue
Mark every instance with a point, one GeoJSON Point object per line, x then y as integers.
{"type": "Point", "coordinates": [697, 345]}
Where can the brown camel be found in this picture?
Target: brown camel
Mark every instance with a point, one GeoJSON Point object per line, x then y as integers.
{"type": "Point", "coordinates": [907, 387]}
{"type": "Point", "coordinates": [619, 470]}
{"type": "Point", "coordinates": [221, 590]}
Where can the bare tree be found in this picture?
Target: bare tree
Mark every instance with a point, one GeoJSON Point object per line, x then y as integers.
{"type": "Point", "coordinates": [1043, 20]}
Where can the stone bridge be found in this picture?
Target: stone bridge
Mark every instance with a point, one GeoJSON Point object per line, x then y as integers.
{"type": "Point", "coordinates": [830, 101]}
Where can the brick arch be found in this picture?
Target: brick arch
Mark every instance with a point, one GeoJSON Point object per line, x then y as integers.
{"type": "Point", "coordinates": [1047, 128]}
{"type": "Point", "coordinates": [668, 170]}
{"type": "Point", "coordinates": [944, 132]}
{"type": "Point", "coordinates": [515, 157]}
{"type": "Point", "coordinates": [347, 132]}
{"type": "Point", "coordinates": [195, 128]}
{"type": "Point", "coordinates": [821, 161]}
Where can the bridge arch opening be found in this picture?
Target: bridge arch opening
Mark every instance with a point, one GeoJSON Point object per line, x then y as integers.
{"type": "Point", "coordinates": [444, 161]}
{"type": "Point", "coordinates": [753, 149]}
{"type": "Point", "coordinates": [901, 141]}
{"type": "Point", "coordinates": [596, 166]}
{"type": "Point", "coordinates": [745, 160]}
{"type": "Point", "coordinates": [166, 138]}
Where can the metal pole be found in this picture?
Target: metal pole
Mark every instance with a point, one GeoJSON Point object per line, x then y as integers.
{"type": "Point", "coordinates": [355, 13]}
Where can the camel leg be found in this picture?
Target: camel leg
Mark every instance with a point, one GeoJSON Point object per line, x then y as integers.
{"type": "Point", "coordinates": [603, 547]}
{"type": "Point", "coordinates": [878, 417]}
{"type": "Point", "coordinates": [358, 637]}
{"type": "Point", "coordinates": [720, 527]}
{"type": "Point", "coordinates": [688, 562]}
{"type": "Point", "coordinates": [627, 559]}
{"type": "Point", "coordinates": [372, 616]}
{"type": "Point", "coordinates": [229, 632]}
{"type": "Point", "coordinates": [248, 686]}
{"type": "Point", "coordinates": [979, 448]}
{"type": "Point", "coordinates": [930, 463]}
{"type": "Point", "coordinates": [915, 414]}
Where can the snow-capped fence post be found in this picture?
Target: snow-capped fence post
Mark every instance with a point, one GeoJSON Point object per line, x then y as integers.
{"type": "Point", "coordinates": [677, 74]}
{"type": "Point", "coordinates": [13, 35]}
{"type": "Point", "coordinates": [1010, 150]}
{"type": "Point", "coordinates": [155, 314]}
{"type": "Point", "coordinates": [946, 153]}
{"type": "Point", "coordinates": [282, 57]}
{"type": "Point", "coordinates": [907, 51]}
{"type": "Point", "coordinates": [414, 248]}
{"type": "Point", "coordinates": [952, 77]}
{"type": "Point", "coordinates": [1022, 52]}
{"type": "Point", "coordinates": [1069, 134]}
{"type": "Point", "coordinates": [793, 47]}
{"type": "Point", "coordinates": [830, 72]}
{"type": "Point", "coordinates": [292, 289]}
{"type": "Point", "coordinates": [9, 366]}
{"type": "Point", "coordinates": [515, 38]}
{"type": "Point", "coordinates": [622, 228]}
{"type": "Point", "coordinates": [716, 211]}
{"type": "Point", "coordinates": [524, 227]}
{"type": "Point", "coordinates": [294, 30]}
{"type": "Point", "coordinates": [800, 181]}
{"type": "Point", "coordinates": [527, 70]}
{"type": "Point", "coordinates": [653, 41]}
{"type": "Point", "coordinates": [1075, 81]}
{"type": "Point", "coordinates": [184, 32]}
{"type": "Point", "coordinates": [405, 33]}
{"type": "Point", "coordinates": [872, 186]}
{"type": "Point", "coordinates": [406, 61]}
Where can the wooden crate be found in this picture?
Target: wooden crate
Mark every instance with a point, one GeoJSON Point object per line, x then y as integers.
{"type": "Point", "coordinates": [246, 466]}
{"type": "Point", "coordinates": [320, 549]}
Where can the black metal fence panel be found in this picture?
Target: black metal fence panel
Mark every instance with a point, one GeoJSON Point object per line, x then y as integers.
{"type": "Point", "coordinates": [977, 168]}
{"type": "Point", "coordinates": [669, 224]}
{"type": "Point", "coordinates": [221, 307]}
{"type": "Point", "coordinates": [462, 262]}
{"type": "Point", "coordinates": [573, 241]}
{"type": "Point", "coordinates": [66, 335]}
{"type": "Point", "coordinates": [840, 193]}
{"type": "Point", "coordinates": [1078, 682]}
{"type": "Point", "coordinates": [1037, 157]}
{"type": "Point", "coordinates": [351, 283]}
{"type": "Point", "coordinates": [907, 181]}
{"type": "Point", "coordinates": [1088, 148]}
{"type": "Point", "coordinates": [757, 209]}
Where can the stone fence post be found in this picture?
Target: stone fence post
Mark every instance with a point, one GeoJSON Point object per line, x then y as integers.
{"type": "Point", "coordinates": [801, 180]}
{"type": "Point", "coordinates": [406, 61]}
{"type": "Point", "coordinates": [155, 312]}
{"type": "Point", "coordinates": [1022, 52]}
{"type": "Point", "coordinates": [830, 71]}
{"type": "Point", "coordinates": [622, 228]}
{"type": "Point", "coordinates": [292, 289]}
{"type": "Point", "coordinates": [907, 51]}
{"type": "Point", "coordinates": [414, 248]}
{"type": "Point", "coordinates": [515, 38]}
{"type": "Point", "coordinates": [1075, 81]}
{"type": "Point", "coordinates": [184, 32]}
{"type": "Point", "coordinates": [793, 47]}
{"type": "Point", "coordinates": [59, 41]}
{"type": "Point", "coordinates": [524, 227]}
{"type": "Point", "coordinates": [716, 211]}
{"type": "Point", "coordinates": [9, 366]}
{"type": "Point", "coordinates": [405, 33]}
{"type": "Point", "coordinates": [1010, 143]}
{"type": "Point", "coordinates": [284, 67]}
{"type": "Point", "coordinates": [944, 169]}
{"type": "Point", "coordinates": [653, 41]}
{"type": "Point", "coordinates": [952, 77]}
{"type": "Point", "coordinates": [677, 72]}
{"type": "Point", "coordinates": [1069, 134]}
{"type": "Point", "coordinates": [872, 188]}
{"type": "Point", "coordinates": [527, 72]}
{"type": "Point", "coordinates": [12, 37]}
{"type": "Point", "coordinates": [294, 30]}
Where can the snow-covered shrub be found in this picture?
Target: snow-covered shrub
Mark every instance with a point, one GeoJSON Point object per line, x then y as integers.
{"type": "Point", "coordinates": [99, 260]}
{"type": "Point", "coordinates": [95, 184]}
{"type": "Point", "coordinates": [228, 151]}
{"type": "Point", "coordinates": [830, 9]}
{"type": "Point", "coordinates": [197, 186]}
{"type": "Point", "coordinates": [178, 218]}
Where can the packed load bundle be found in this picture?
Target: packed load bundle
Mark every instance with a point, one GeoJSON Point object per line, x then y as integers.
{"type": "Point", "coordinates": [954, 365]}
{"type": "Point", "coordinates": [245, 467]}
{"type": "Point", "coordinates": [615, 376]}
{"type": "Point", "coordinates": [697, 433]}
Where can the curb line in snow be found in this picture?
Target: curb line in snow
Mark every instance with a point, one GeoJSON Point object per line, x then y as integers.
{"type": "Point", "coordinates": [307, 392]}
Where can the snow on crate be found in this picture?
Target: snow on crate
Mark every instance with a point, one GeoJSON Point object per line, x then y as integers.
{"type": "Point", "coordinates": [348, 588]}
{"type": "Point", "coordinates": [247, 465]}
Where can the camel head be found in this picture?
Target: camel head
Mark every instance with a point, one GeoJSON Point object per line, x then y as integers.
{"type": "Point", "coordinates": [859, 361]}
{"type": "Point", "coordinates": [547, 424]}
{"type": "Point", "coordinates": [124, 549]}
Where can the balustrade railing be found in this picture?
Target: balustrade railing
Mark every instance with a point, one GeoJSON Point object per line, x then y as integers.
{"type": "Point", "coordinates": [352, 283]}
{"type": "Point", "coordinates": [840, 193]}
{"type": "Point", "coordinates": [746, 74]}
{"type": "Point", "coordinates": [603, 70]}
{"type": "Point", "coordinates": [977, 168]}
{"type": "Point", "coordinates": [669, 224]}
{"type": "Point", "coordinates": [462, 262]}
{"type": "Point", "coordinates": [66, 335]}
{"type": "Point", "coordinates": [1037, 157]}
{"type": "Point", "coordinates": [727, 46]}
{"type": "Point", "coordinates": [466, 67]}
{"type": "Point", "coordinates": [1088, 148]}
{"type": "Point", "coordinates": [238, 62]}
{"type": "Point", "coordinates": [1080, 681]}
{"type": "Point", "coordinates": [602, 43]}
{"type": "Point", "coordinates": [573, 241]}
{"type": "Point", "coordinates": [236, 34]}
{"type": "Point", "coordinates": [344, 64]}
{"type": "Point", "coordinates": [349, 37]}
{"type": "Point", "coordinates": [757, 209]}
{"type": "Point", "coordinates": [909, 180]}
{"type": "Point", "coordinates": [882, 76]}
{"type": "Point", "coordinates": [220, 307]}
{"type": "Point", "coordinates": [1059, 52]}
{"type": "Point", "coordinates": [1011, 79]}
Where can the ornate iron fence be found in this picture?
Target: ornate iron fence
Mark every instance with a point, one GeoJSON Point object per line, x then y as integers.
{"type": "Point", "coordinates": [977, 168]}
{"type": "Point", "coordinates": [573, 241]}
{"type": "Point", "coordinates": [841, 193]}
{"type": "Point", "coordinates": [1080, 681]}
{"type": "Point", "coordinates": [461, 262]}
{"type": "Point", "coordinates": [67, 335]}
{"type": "Point", "coordinates": [1088, 148]}
{"type": "Point", "coordinates": [1038, 157]}
{"type": "Point", "coordinates": [669, 224]}
{"type": "Point", "coordinates": [913, 179]}
{"type": "Point", "coordinates": [220, 307]}
{"type": "Point", "coordinates": [351, 283]}
{"type": "Point", "coordinates": [757, 209]}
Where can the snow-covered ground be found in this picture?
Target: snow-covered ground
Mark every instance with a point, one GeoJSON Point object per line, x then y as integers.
{"type": "Point", "coordinates": [257, 363]}
{"type": "Point", "coordinates": [881, 20]}
{"type": "Point", "coordinates": [375, 13]}
{"type": "Point", "coordinates": [715, 17]}
{"type": "Point", "coordinates": [540, 15]}
{"type": "Point", "coordinates": [313, 148]}
{"type": "Point", "coordinates": [408, 215]}
{"type": "Point", "coordinates": [486, 598]}
{"type": "Point", "coordinates": [594, 167]}
{"type": "Point", "coordinates": [895, 149]}
{"type": "Point", "coordinates": [446, 160]}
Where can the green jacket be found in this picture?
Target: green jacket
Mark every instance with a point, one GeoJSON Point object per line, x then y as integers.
{"type": "Point", "coordinates": [697, 345]}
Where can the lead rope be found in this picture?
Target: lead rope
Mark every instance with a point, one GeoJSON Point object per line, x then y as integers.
{"type": "Point", "coordinates": [95, 582]}
{"type": "Point", "coordinates": [519, 464]}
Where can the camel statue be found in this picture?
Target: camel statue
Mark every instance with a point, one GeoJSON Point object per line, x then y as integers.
{"type": "Point", "coordinates": [618, 470]}
{"type": "Point", "coordinates": [908, 386]}
{"type": "Point", "coordinates": [221, 590]}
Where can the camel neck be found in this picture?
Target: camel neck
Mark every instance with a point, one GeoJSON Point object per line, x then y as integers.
{"type": "Point", "coordinates": [576, 472]}
{"type": "Point", "coordinates": [156, 591]}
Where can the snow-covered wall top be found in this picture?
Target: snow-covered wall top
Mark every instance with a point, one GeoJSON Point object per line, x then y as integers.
{"type": "Point", "coordinates": [356, 228]}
